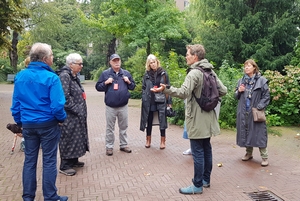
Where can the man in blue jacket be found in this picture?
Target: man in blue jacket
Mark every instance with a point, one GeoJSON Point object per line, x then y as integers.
{"type": "Point", "coordinates": [38, 107]}
{"type": "Point", "coordinates": [116, 82]}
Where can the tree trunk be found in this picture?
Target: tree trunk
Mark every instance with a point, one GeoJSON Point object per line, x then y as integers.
{"type": "Point", "coordinates": [13, 52]}
{"type": "Point", "coordinates": [111, 49]}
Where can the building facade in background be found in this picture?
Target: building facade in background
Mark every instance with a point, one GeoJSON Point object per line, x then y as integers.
{"type": "Point", "coordinates": [182, 4]}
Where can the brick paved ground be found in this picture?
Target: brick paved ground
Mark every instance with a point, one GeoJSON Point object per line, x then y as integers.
{"type": "Point", "coordinates": [154, 174]}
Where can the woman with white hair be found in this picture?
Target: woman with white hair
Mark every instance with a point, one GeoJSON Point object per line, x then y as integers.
{"type": "Point", "coordinates": [150, 104]}
{"type": "Point", "coordinates": [74, 137]}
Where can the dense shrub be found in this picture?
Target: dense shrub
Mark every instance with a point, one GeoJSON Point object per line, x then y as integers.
{"type": "Point", "coordinates": [285, 96]}
{"type": "Point", "coordinates": [229, 76]}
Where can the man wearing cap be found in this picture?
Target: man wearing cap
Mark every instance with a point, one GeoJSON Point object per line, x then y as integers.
{"type": "Point", "coordinates": [116, 82]}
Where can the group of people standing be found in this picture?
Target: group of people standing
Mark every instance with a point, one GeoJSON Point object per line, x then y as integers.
{"type": "Point", "coordinates": [51, 109]}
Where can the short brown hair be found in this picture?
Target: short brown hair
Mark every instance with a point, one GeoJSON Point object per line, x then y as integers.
{"type": "Point", "coordinates": [198, 50]}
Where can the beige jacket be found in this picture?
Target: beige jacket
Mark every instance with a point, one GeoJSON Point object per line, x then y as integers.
{"type": "Point", "coordinates": [199, 124]}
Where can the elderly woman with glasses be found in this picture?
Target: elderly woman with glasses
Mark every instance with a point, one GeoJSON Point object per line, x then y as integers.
{"type": "Point", "coordinates": [74, 137]}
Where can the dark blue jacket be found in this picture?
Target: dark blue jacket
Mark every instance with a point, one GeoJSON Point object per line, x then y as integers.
{"type": "Point", "coordinates": [119, 97]}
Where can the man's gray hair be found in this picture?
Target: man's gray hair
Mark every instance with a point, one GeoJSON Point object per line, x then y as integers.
{"type": "Point", "coordinates": [40, 51]}
{"type": "Point", "coordinates": [72, 58]}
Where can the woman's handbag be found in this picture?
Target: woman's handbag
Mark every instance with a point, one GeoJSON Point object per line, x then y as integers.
{"type": "Point", "coordinates": [258, 115]}
{"type": "Point", "coordinates": [159, 97]}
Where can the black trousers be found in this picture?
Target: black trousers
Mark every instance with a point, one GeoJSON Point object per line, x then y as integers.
{"type": "Point", "coordinates": [150, 124]}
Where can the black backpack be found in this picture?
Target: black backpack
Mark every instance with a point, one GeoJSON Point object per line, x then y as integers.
{"type": "Point", "coordinates": [210, 93]}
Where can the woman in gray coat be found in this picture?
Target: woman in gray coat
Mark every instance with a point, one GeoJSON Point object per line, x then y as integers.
{"type": "Point", "coordinates": [252, 91]}
{"type": "Point", "coordinates": [153, 77]}
{"type": "Point", "coordinates": [74, 135]}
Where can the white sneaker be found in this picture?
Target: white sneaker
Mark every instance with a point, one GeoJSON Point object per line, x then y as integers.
{"type": "Point", "coordinates": [187, 152]}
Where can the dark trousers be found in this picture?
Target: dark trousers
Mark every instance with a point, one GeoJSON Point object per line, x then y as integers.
{"type": "Point", "coordinates": [202, 155]}
{"type": "Point", "coordinates": [150, 124]}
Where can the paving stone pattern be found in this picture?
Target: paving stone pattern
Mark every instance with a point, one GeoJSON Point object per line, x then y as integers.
{"type": "Point", "coordinates": [153, 174]}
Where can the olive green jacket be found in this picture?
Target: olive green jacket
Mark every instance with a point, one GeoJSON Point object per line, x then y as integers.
{"type": "Point", "coordinates": [199, 124]}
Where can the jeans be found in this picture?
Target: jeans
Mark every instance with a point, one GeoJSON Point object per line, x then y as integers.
{"type": "Point", "coordinates": [202, 155]}
{"type": "Point", "coordinates": [185, 134]}
{"type": "Point", "coordinates": [48, 137]}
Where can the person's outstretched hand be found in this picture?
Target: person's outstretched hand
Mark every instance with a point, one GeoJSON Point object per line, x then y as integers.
{"type": "Point", "coordinates": [159, 89]}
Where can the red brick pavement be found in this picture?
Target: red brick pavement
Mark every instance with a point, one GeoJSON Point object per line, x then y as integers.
{"type": "Point", "coordinates": [154, 174]}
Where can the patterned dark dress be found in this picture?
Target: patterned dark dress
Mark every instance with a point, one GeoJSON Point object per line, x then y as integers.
{"type": "Point", "coordinates": [74, 136]}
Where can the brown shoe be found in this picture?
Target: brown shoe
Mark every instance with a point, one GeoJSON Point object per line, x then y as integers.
{"type": "Point", "coordinates": [125, 149]}
{"type": "Point", "coordinates": [109, 152]}
{"type": "Point", "coordinates": [148, 141]}
{"type": "Point", "coordinates": [264, 162]}
{"type": "Point", "coordinates": [247, 157]}
{"type": "Point", "coordinates": [162, 143]}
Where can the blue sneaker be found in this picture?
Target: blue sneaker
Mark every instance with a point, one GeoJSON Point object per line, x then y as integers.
{"type": "Point", "coordinates": [191, 190]}
{"type": "Point", "coordinates": [63, 198]}
{"type": "Point", "coordinates": [205, 184]}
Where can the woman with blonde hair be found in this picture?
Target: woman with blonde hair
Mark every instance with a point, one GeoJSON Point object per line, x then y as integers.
{"type": "Point", "coordinates": [154, 76]}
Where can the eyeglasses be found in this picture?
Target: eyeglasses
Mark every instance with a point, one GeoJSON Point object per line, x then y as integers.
{"type": "Point", "coordinates": [80, 64]}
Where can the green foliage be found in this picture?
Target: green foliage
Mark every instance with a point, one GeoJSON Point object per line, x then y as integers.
{"type": "Point", "coordinates": [173, 64]}
{"type": "Point", "coordinates": [285, 96]}
{"type": "Point", "coordinates": [229, 76]}
{"type": "Point", "coordinates": [12, 15]}
{"type": "Point", "coordinates": [139, 24]}
{"type": "Point", "coordinates": [296, 58]}
{"type": "Point", "coordinates": [178, 106]}
{"type": "Point", "coordinates": [4, 70]}
{"type": "Point", "coordinates": [237, 30]}
{"type": "Point", "coordinates": [96, 73]}
{"type": "Point", "coordinates": [136, 66]}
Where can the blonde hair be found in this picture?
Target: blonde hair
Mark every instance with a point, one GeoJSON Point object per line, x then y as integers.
{"type": "Point", "coordinates": [27, 61]}
{"type": "Point", "coordinates": [149, 59]}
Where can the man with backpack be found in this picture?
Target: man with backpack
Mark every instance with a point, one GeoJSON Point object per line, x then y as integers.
{"type": "Point", "coordinates": [201, 122]}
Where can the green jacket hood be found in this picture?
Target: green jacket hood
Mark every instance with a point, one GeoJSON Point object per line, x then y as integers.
{"type": "Point", "coordinates": [203, 64]}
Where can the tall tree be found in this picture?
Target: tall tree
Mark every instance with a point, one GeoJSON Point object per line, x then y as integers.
{"type": "Point", "coordinates": [12, 14]}
{"type": "Point", "coordinates": [140, 23]}
{"type": "Point", "coordinates": [265, 30]}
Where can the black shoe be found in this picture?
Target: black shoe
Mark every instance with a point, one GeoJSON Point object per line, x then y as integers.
{"type": "Point", "coordinates": [68, 172]}
{"type": "Point", "coordinates": [78, 164]}
{"type": "Point", "coordinates": [63, 198]}
{"type": "Point", "coordinates": [126, 149]}
{"type": "Point", "coordinates": [109, 152]}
